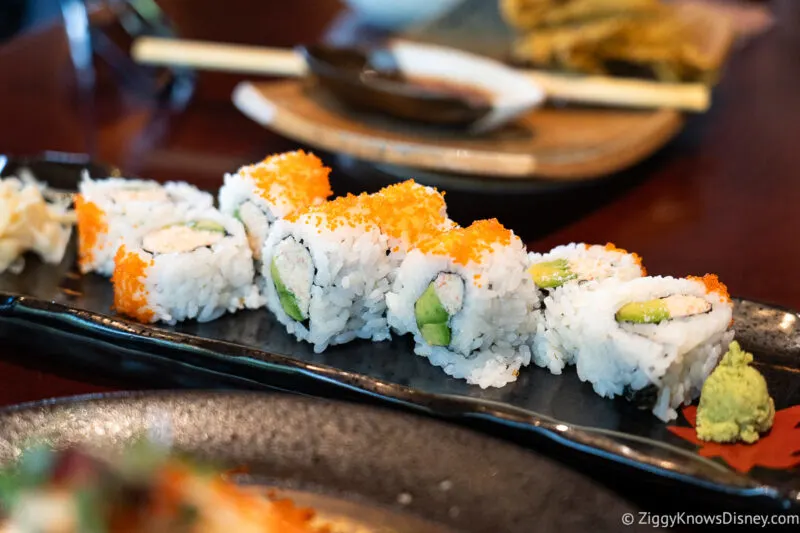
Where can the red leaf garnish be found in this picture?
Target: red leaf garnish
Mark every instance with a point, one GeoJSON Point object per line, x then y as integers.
{"type": "Point", "coordinates": [778, 449]}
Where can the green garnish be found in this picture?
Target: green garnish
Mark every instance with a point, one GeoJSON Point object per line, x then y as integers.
{"type": "Point", "coordinates": [89, 506]}
{"type": "Point", "coordinates": [36, 465]}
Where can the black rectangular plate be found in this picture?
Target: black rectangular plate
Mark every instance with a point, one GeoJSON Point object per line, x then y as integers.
{"type": "Point", "coordinates": [66, 317]}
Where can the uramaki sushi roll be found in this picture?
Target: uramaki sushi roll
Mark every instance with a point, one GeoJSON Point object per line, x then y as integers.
{"type": "Point", "coordinates": [370, 234]}
{"type": "Point", "coordinates": [565, 276]}
{"type": "Point", "coordinates": [654, 340]}
{"type": "Point", "coordinates": [197, 268]}
{"type": "Point", "coordinates": [261, 193]}
{"type": "Point", "coordinates": [326, 273]}
{"type": "Point", "coordinates": [468, 301]}
{"type": "Point", "coordinates": [113, 209]}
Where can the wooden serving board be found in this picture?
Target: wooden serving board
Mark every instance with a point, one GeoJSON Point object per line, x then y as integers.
{"type": "Point", "coordinates": [570, 143]}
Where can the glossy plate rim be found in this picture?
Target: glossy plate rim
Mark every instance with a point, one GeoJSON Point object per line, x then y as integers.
{"type": "Point", "coordinates": [270, 370]}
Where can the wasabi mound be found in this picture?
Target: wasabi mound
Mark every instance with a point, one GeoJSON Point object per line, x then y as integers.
{"type": "Point", "coordinates": [734, 403]}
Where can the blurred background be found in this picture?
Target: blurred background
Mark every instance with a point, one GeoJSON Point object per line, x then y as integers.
{"type": "Point", "coordinates": [20, 14]}
{"type": "Point", "coordinates": [178, 124]}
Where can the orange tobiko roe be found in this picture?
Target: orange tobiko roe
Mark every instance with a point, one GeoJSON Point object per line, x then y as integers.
{"type": "Point", "coordinates": [130, 293]}
{"type": "Point", "coordinates": [296, 178]}
{"type": "Point", "coordinates": [409, 211]}
{"type": "Point", "coordinates": [713, 284]}
{"type": "Point", "coordinates": [463, 245]}
{"type": "Point", "coordinates": [405, 211]}
{"type": "Point", "coordinates": [91, 225]}
{"type": "Point", "coordinates": [611, 247]}
{"type": "Point", "coordinates": [344, 211]}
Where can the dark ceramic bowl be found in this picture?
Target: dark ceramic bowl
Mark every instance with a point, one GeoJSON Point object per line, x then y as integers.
{"type": "Point", "coordinates": [367, 467]}
{"type": "Point", "coordinates": [377, 80]}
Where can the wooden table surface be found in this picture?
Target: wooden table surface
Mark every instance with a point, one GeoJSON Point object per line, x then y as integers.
{"type": "Point", "coordinates": [722, 198]}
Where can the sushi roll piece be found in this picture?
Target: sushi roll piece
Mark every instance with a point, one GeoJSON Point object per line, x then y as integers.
{"type": "Point", "coordinates": [197, 268]}
{"type": "Point", "coordinates": [467, 299]}
{"type": "Point", "coordinates": [326, 273]}
{"type": "Point", "coordinates": [113, 209]}
{"type": "Point", "coordinates": [565, 276]}
{"type": "Point", "coordinates": [260, 194]}
{"type": "Point", "coordinates": [654, 339]}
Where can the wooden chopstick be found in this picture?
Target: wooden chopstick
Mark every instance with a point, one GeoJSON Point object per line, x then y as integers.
{"type": "Point", "coordinates": [594, 90]}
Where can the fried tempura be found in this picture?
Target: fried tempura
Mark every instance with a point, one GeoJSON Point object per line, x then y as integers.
{"type": "Point", "coordinates": [528, 14]}
{"type": "Point", "coordinates": [669, 43]}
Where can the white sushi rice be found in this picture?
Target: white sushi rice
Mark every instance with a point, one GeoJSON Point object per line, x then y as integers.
{"type": "Point", "coordinates": [490, 332]}
{"type": "Point", "coordinates": [554, 344]}
{"type": "Point", "coordinates": [350, 280]}
{"type": "Point", "coordinates": [675, 356]}
{"type": "Point", "coordinates": [241, 194]}
{"type": "Point", "coordinates": [296, 267]}
{"type": "Point", "coordinates": [132, 208]}
{"type": "Point", "coordinates": [202, 283]}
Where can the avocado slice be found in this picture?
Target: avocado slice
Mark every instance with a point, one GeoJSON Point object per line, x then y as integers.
{"type": "Point", "coordinates": [432, 318]}
{"type": "Point", "coordinates": [287, 299]}
{"type": "Point", "coordinates": [647, 312]}
{"type": "Point", "coordinates": [429, 309]}
{"type": "Point", "coordinates": [551, 274]}
{"type": "Point", "coordinates": [436, 334]}
{"type": "Point", "coordinates": [206, 225]}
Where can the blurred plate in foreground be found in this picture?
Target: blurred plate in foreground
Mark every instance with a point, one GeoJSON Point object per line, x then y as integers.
{"type": "Point", "coordinates": [365, 469]}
